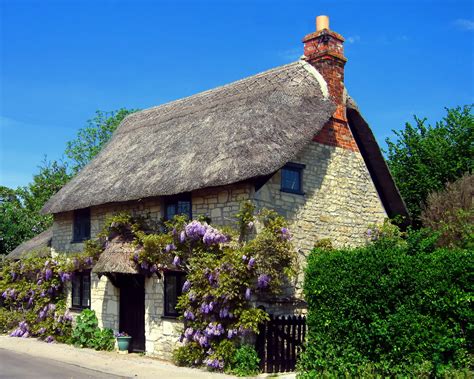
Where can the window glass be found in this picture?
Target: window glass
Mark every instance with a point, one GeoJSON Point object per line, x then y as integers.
{"type": "Point", "coordinates": [291, 178]}
{"type": "Point", "coordinates": [81, 289]}
{"type": "Point", "coordinates": [173, 289]}
{"type": "Point", "coordinates": [82, 225]}
{"type": "Point", "coordinates": [178, 205]}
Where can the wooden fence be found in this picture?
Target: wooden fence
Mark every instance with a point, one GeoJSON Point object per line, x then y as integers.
{"type": "Point", "coordinates": [279, 342]}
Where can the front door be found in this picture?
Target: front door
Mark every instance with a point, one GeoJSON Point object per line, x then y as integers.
{"type": "Point", "coordinates": [132, 309]}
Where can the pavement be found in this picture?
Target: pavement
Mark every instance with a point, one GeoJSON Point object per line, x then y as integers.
{"type": "Point", "coordinates": [29, 357]}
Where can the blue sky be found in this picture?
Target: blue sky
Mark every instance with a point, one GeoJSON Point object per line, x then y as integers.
{"type": "Point", "coordinates": [60, 61]}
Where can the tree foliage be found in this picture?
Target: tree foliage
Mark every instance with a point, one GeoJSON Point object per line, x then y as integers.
{"type": "Point", "coordinates": [20, 217]}
{"type": "Point", "coordinates": [94, 136]}
{"type": "Point", "coordinates": [423, 158]}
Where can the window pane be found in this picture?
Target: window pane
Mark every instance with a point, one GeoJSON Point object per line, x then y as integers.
{"type": "Point", "coordinates": [76, 290]}
{"type": "Point", "coordinates": [86, 289]}
{"type": "Point", "coordinates": [171, 294]}
{"type": "Point", "coordinates": [290, 179]}
{"type": "Point", "coordinates": [184, 207]}
{"type": "Point", "coordinates": [170, 211]}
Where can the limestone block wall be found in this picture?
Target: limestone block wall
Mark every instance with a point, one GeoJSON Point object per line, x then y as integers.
{"type": "Point", "coordinates": [162, 334]}
{"type": "Point", "coordinates": [105, 302]}
{"type": "Point", "coordinates": [221, 203]}
{"type": "Point", "coordinates": [63, 222]}
{"type": "Point", "coordinates": [339, 200]}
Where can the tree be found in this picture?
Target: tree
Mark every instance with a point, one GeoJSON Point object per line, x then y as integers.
{"type": "Point", "coordinates": [423, 158]}
{"type": "Point", "coordinates": [20, 217]}
{"type": "Point", "coordinates": [92, 138]}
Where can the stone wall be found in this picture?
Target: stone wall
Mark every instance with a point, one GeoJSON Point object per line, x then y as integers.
{"type": "Point", "coordinates": [221, 203]}
{"type": "Point", "coordinates": [162, 334]}
{"type": "Point", "coordinates": [104, 301]}
{"type": "Point", "coordinates": [339, 200]}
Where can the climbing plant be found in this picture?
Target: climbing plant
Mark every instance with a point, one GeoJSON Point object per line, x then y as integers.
{"type": "Point", "coordinates": [226, 270]}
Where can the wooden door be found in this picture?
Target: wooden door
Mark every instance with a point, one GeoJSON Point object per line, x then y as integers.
{"type": "Point", "coordinates": [132, 310]}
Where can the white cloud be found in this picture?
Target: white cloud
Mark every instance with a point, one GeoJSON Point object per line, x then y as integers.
{"type": "Point", "coordinates": [353, 39]}
{"type": "Point", "coordinates": [464, 24]}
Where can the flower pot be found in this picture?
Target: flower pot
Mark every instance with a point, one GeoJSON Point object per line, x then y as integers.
{"type": "Point", "coordinates": [123, 343]}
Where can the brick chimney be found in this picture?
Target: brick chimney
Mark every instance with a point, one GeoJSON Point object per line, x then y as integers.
{"type": "Point", "coordinates": [324, 50]}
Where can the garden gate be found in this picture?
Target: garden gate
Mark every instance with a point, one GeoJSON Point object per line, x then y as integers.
{"type": "Point", "coordinates": [279, 342]}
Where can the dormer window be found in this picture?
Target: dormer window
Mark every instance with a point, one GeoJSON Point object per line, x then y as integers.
{"type": "Point", "coordinates": [82, 225]}
{"type": "Point", "coordinates": [292, 178]}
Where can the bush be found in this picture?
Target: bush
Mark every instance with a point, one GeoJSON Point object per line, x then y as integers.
{"type": "Point", "coordinates": [86, 333]}
{"type": "Point", "coordinates": [245, 361]}
{"type": "Point", "coordinates": [189, 355]}
{"type": "Point", "coordinates": [451, 212]}
{"type": "Point", "coordinates": [394, 307]}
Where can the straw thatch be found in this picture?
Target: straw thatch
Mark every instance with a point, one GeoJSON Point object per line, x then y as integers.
{"type": "Point", "coordinates": [116, 258]}
{"type": "Point", "coordinates": [243, 130]}
{"type": "Point", "coordinates": [39, 246]}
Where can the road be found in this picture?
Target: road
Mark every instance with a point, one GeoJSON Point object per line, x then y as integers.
{"type": "Point", "coordinates": [18, 365]}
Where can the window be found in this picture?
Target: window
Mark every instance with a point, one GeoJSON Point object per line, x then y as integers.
{"type": "Point", "coordinates": [81, 289]}
{"type": "Point", "coordinates": [82, 225]}
{"type": "Point", "coordinates": [178, 205]}
{"type": "Point", "coordinates": [292, 178]}
{"type": "Point", "coordinates": [173, 289]}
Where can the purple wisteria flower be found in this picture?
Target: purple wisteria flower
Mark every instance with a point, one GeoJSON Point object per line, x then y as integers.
{"type": "Point", "coordinates": [214, 329]}
{"type": "Point", "coordinates": [170, 247]}
{"type": "Point", "coordinates": [251, 263]}
{"type": "Point", "coordinates": [65, 276]}
{"type": "Point", "coordinates": [135, 257]}
{"type": "Point", "coordinates": [214, 363]}
{"type": "Point", "coordinates": [205, 308]}
{"type": "Point", "coordinates": [39, 282]}
{"type": "Point", "coordinates": [21, 330]}
{"type": "Point", "coordinates": [49, 339]}
{"type": "Point", "coordinates": [285, 234]}
{"type": "Point", "coordinates": [224, 312]}
{"type": "Point", "coordinates": [42, 331]}
{"type": "Point", "coordinates": [244, 258]}
{"type": "Point", "coordinates": [144, 265]}
{"type": "Point", "coordinates": [188, 333]}
{"type": "Point", "coordinates": [182, 237]}
{"type": "Point", "coordinates": [48, 274]}
{"type": "Point", "coordinates": [192, 296]}
{"type": "Point", "coordinates": [188, 315]}
{"type": "Point", "coordinates": [89, 261]}
{"type": "Point", "coordinates": [263, 281]}
{"type": "Point", "coordinates": [186, 286]}
{"type": "Point", "coordinates": [248, 294]}
{"type": "Point", "coordinates": [231, 333]}
{"type": "Point", "coordinates": [195, 230]}
{"type": "Point", "coordinates": [177, 261]}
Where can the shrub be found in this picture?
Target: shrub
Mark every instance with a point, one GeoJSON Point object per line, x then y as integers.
{"type": "Point", "coordinates": [451, 212]}
{"type": "Point", "coordinates": [86, 333]}
{"type": "Point", "coordinates": [189, 355]}
{"type": "Point", "coordinates": [393, 307]}
{"type": "Point", "coordinates": [245, 361]}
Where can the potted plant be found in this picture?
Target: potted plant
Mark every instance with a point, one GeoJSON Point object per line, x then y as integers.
{"type": "Point", "coordinates": [123, 341]}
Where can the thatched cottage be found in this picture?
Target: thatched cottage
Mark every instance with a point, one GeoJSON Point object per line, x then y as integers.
{"type": "Point", "coordinates": [289, 138]}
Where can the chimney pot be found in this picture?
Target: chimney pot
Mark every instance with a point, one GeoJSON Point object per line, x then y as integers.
{"type": "Point", "coordinates": [322, 22]}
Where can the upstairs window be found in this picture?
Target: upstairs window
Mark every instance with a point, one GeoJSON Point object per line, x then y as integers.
{"type": "Point", "coordinates": [81, 290]}
{"type": "Point", "coordinates": [178, 205]}
{"type": "Point", "coordinates": [292, 178]}
{"type": "Point", "coordinates": [82, 225]}
{"type": "Point", "coordinates": [174, 282]}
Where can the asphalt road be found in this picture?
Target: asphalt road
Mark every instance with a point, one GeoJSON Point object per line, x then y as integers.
{"type": "Point", "coordinates": [17, 365]}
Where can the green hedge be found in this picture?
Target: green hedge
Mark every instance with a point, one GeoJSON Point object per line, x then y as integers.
{"type": "Point", "coordinates": [395, 307]}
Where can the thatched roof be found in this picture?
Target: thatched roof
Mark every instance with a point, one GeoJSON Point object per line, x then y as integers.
{"type": "Point", "coordinates": [39, 245]}
{"type": "Point", "coordinates": [243, 130]}
{"type": "Point", "coordinates": [116, 258]}
{"type": "Point", "coordinates": [376, 164]}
